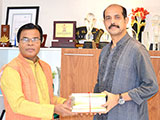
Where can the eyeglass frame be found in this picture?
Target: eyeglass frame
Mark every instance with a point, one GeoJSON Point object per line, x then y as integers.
{"type": "Point", "coordinates": [34, 40]}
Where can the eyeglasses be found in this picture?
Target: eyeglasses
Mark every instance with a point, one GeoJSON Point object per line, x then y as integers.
{"type": "Point", "coordinates": [25, 39]}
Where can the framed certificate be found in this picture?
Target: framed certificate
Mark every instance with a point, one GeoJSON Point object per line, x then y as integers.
{"type": "Point", "coordinates": [18, 16]}
{"type": "Point", "coordinates": [64, 30]}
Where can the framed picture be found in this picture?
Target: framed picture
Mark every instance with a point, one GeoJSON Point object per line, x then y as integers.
{"type": "Point", "coordinates": [18, 16]}
{"type": "Point", "coordinates": [64, 30]}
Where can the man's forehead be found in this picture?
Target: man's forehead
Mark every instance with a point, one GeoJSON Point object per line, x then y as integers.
{"type": "Point", "coordinates": [30, 32]}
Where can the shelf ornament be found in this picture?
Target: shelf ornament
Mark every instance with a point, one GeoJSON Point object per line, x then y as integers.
{"type": "Point", "coordinates": [138, 21]}
{"type": "Point", "coordinates": [4, 41]}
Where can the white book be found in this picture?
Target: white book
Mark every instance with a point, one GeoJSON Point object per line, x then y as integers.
{"type": "Point", "coordinates": [88, 102]}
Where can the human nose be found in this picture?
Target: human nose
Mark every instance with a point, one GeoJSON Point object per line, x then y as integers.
{"type": "Point", "coordinates": [30, 41]}
{"type": "Point", "coordinates": [112, 21]}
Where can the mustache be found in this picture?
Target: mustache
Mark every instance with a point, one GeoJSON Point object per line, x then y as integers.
{"type": "Point", "coordinates": [113, 25]}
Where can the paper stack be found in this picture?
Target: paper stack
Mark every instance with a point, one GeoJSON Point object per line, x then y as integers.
{"type": "Point", "coordinates": [88, 102]}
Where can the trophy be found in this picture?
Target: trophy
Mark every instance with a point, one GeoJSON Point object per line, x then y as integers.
{"type": "Point", "coordinates": [156, 33]}
{"type": "Point", "coordinates": [4, 41]}
{"type": "Point", "coordinates": [90, 21]}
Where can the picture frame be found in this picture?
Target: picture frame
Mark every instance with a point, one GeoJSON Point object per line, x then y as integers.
{"type": "Point", "coordinates": [18, 16]}
{"type": "Point", "coordinates": [64, 30]}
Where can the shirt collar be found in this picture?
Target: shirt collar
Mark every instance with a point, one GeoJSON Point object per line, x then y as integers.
{"type": "Point", "coordinates": [123, 40]}
{"type": "Point", "coordinates": [31, 62]}
{"type": "Point", "coordinates": [25, 60]}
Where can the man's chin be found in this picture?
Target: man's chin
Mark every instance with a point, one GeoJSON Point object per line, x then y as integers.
{"type": "Point", "coordinates": [114, 33]}
{"type": "Point", "coordinates": [30, 56]}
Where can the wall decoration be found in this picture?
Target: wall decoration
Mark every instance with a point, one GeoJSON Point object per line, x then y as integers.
{"type": "Point", "coordinates": [18, 16]}
{"type": "Point", "coordinates": [138, 21]}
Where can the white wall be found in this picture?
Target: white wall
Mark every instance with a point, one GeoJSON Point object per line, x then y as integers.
{"type": "Point", "coordinates": [0, 13]}
{"type": "Point", "coordinates": [51, 10]}
{"type": "Point", "coordinates": [0, 10]}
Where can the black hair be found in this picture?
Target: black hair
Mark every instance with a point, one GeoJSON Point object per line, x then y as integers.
{"type": "Point", "coordinates": [29, 26]}
{"type": "Point", "coordinates": [124, 11]}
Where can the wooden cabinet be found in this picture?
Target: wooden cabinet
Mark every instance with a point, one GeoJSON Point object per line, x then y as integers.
{"type": "Point", "coordinates": [79, 68]}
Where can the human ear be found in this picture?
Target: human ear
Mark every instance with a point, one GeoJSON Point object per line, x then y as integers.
{"type": "Point", "coordinates": [126, 20]}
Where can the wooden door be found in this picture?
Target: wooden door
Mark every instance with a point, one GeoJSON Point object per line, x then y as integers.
{"type": "Point", "coordinates": [79, 68]}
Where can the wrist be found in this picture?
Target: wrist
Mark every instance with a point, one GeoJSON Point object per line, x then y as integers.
{"type": "Point", "coordinates": [126, 97]}
{"type": "Point", "coordinates": [121, 100]}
